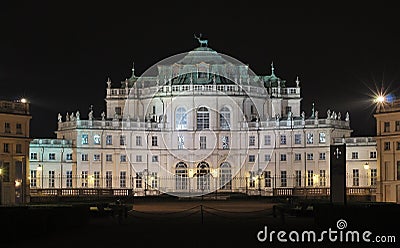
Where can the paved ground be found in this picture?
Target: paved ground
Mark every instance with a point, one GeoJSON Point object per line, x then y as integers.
{"type": "Point", "coordinates": [178, 223]}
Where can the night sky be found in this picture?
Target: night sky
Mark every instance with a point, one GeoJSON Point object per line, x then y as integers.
{"type": "Point", "coordinates": [59, 55]}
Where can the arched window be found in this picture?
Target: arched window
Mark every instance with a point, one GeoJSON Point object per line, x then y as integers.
{"type": "Point", "coordinates": [181, 176]}
{"type": "Point", "coordinates": [203, 118]}
{"type": "Point", "coordinates": [181, 118]}
{"type": "Point", "coordinates": [224, 118]}
{"type": "Point", "coordinates": [203, 176]}
{"type": "Point", "coordinates": [225, 173]}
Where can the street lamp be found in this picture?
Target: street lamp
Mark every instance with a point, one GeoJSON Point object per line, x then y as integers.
{"type": "Point", "coordinates": [366, 167]}
{"type": "Point", "coordinates": [146, 177]}
{"type": "Point", "coordinates": [259, 181]}
{"type": "Point", "coordinates": [39, 168]}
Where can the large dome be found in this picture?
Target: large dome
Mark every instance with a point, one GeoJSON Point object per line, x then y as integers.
{"type": "Point", "coordinates": [201, 66]}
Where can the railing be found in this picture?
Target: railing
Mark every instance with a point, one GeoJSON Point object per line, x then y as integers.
{"type": "Point", "coordinates": [235, 89]}
{"type": "Point", "coordinates": [147, 185]}
{"type": "Point", "coordinates": [14, 107]}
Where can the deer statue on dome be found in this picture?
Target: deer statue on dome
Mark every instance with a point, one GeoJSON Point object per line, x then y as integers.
{"type": "Point", "coordinates": [202, 42]}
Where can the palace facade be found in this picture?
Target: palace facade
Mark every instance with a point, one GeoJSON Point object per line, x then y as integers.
{"type": "Point", "coordinates": [197, 123]}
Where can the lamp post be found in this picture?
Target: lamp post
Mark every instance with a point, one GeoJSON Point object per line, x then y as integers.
{"type": "Point", "coordinates": [259, 181]}
{"type": "Point", "coordinates": [39, 168]}
{"type": "Point", "coordinates": [366, 168]}
{"type": "Point", "coordinates": [1, 186]}
{"type": "Point", "coordinates": [146, 177]}
{"type": "Point", "coordinates": [61, 164]}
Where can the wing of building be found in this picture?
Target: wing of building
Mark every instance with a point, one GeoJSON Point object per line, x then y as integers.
{"type": "Point", "coordinates": [14, 152]}
{"type": "Point", "coordinates": [196, 123]}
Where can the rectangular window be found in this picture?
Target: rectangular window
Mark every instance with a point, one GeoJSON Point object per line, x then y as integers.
{"type": "Point", "coordinates": [84, 179]}
{"type": "Point", "coordinates": [118, 110]}
{"type": "Point", "coordinates": [154, 141]}
{"type": "Point", "coordinates": [19, 128]}
{"type": "Point", "coordinates": [298, 178]}
{"type": "Point", "coordinates": [398, 170]}
{"type": "Point", "coordinates": [109, 140]}
{"type": "Point", "coordinates": [203, 119]}
{"type": "Point", "coordinates": [96, 157]}
{"type": "Point", "coordinates": [203, 142]}
{"type": "Point", "coordinates": [310, 156]}
{"type": "Point", "coordinates": [322, 137]}
{"type": "Point", "coordinates": [356, 177]}
{"type": "Point", "coordinates": [267, 157]}
{"type": "Point", "coordinates": [32, 181]}
{"type": "Point", "coordinates": [297, 156]}
{"type": "Point", "coordinates": [69, 179]}
{"type": "Point", "coordinates": [52, 156]}
{"type": "Point", "coordinates": [252, 179]}
{"type": "Point", "coordinates": [354, 155]}
{"type": "Point", "coordinates": [181, 142]}
{"type": "Point", "coordinates": [108, 157]}
{"type": "Point", "coordinates": [267, 140]}
{"type": "Point", "coordinates": [386, 146]}
{"type": "Point", "coordinates": [225, 142]}
{"type": "Point", "coordinates": [154, 158]}
{"type": "Point", "coordinates": [85, 139]}
{"type": "Point", "coordinates": [297, 139]}
{"type": "Point", "coordinates": [5, 172]}
{"type": "Point", "coordinates": [310, 138]}
{"type": "Point", "coordinates": [122, 179]}
{"type": "Point", "coordinates": [310, 178]}
{"type": "Point", "coordinates": [252, 158]}
{"type": "Point", "coordinates": [52, 179]}
{"type": "Point", "coordinates": [108, 179]}
{"type": "Point", "coordinates": [322, 178]}
{"type": "Point", "coordinates": [288, 109]}
{"type": "Point", "coordinates": [283, 139]}
{"type": "Point", "coordinates": [397, 145]}
{"type": "Point", "coordinates": [138, 158]}
{"type": "Point", "coordinates": [139, 180]}
{"type": "Point", "coordinates": [122, 140]}
{"type": "Point", "coordinates": [96, 179]}
{"type": "Point", "coordinates": [283, 179]}
{"type": "Point", "coordinates": [69, 156]}
{"type": "Point", "coordinates": [96, 139]}
{"type": "Point", "coordinates": [267, 179]}
{"type": "Point", "coordinates": [374, 176]}
{"type": "Point", "coordinates": [6, 147]}
{"type": "Point", "coordinates": [85, 157]}
{"type": "Point", "coordinates": [283, 157]}
{"type": "Point", "coordinates": [7, 127]}
{"type": "Point", "coordinates": [397, 123]}
{"type": "Point", "coordinates": [33, 156]}
{"type": "Point", "coordinates": [154, 180]}
{"type": "Point", "coordinates": [252, 140]}
{"type": "Point", "coordinates": [138, 140]}
{"type": "Point", "coordinates": [386, 127]}
{"type": "Point", "coordinates": [122, 158]}
{"type": "Point", "coordinates": [372, 154]}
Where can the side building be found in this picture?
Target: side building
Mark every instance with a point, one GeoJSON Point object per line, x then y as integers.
{"type": "Point", "coordinates": [14, 151]}
{"type": "Point", "coordinates": [388, 144]}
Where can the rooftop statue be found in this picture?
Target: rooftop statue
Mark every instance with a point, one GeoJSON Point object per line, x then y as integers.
{"type": "Point", "coordinates": [201, 42]}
